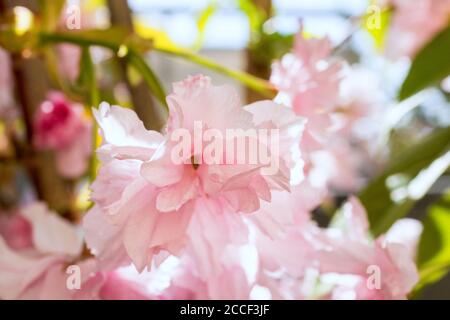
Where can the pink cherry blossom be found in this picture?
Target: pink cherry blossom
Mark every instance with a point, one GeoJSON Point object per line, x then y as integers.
{"type": "Point", "coordinates": [230, 284]}
{"type": "Point", "coordinates": [148, 206]}
{"type": "Point", "coordinates": [308, 79]}
{"type": "Point", "coordinates": [411, 27]}
{"type": "Point", "coordinates": [341, 257]}
{"type": "Point", "coordinates": [61, 126]}
{"type": "Point", "coordinates": [35, 245]}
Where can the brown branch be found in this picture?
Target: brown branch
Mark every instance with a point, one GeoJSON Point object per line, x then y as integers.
{"type": "Point", "coordinates": [32, 85]}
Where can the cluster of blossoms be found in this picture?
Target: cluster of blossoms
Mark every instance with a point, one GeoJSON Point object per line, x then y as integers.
{"type": "Point", "coordinates": [161, 229]}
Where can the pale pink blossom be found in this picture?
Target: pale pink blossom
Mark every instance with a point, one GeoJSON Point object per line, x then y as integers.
{"type": "Point", "coordinates": [35, 245]}
{"type": "Point", "coordinates": [61, 126]}
{"type": "Point", "coordinates": [147, 205]}
{"type": "Point", "coordinates": [340, 258]}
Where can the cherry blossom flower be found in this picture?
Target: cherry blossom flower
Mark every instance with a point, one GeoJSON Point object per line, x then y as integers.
{"type": "Point", "coordinates": [35, 245]}
{"type": "Point", "coordinates": [411, 27]}
{"type": "Point", "coordinates": [62, 127]}
{"type": "Point", "coordinates": [308, 79]}
{"type": "Point", "coordinates": [147, 206]}
{"type": "Point", "coordinates": [342, 258]}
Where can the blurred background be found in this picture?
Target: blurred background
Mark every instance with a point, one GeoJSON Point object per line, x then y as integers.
{"type": "Point", "coordinates": [240, 35]}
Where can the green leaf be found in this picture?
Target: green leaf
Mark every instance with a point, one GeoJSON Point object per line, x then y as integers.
{"type": "Point", "coordinates": [149, 76]}
{"type": "Point", "coordinates": [270, 47]}
{"type": "Point", "coordinates": [112, 38]}
{"type": "Point", "coordinates": [50, 13]}
{"type": "Point", "coordinates": [430, 66]}
{"type": "Point", "coordinates": [406, 179]}
{"type": "Point", "coordinates": [205, 16]}
{"type": "Point", "coordinates": [107, 38]}
{"type": "Point", "coordinates": [434, 247]}
{"type": "Point", "coordinates": [376, 23]}
{"type": "Point", "coordinates": [87, 79]}
{"type": "Point", "coordinates": [256, 16]}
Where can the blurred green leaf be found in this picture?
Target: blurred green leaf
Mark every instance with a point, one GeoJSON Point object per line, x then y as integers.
{"type": "Point", "coordinates": [18, 30]}
{"type": "Point", "coordinates": [434, 247]}
{"type": "Point", "coordinates": [87, 78]}
{"type": "Point", "coordinates": [270, 47]}
{"type": "Point", "coordinates": [205, 16]}
{"type": "Point", "coordinates": [430, 66]}
{"type": "Point", "coordinates": [158, 37]}
{"type": "Point", "coordinates": [139, 64]}
{"type": "Point", "coordinates": [87, 81]}
{"type": "Point", "coordinates": [256, 16]}
{"type": "Point", "coordinates": [376, 23]}
{"type": "Point", "coordinates": [406, 179]}
{"type": "Point", "coordinates": [118, 43]}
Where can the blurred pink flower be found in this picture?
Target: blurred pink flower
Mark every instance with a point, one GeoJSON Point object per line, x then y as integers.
{"type": "Point", "coordinates": [16, 231]}
{"type": "Point", "coordinates": [308, 79]}
{"type": "Point", "coordinates": [69, 55]}
{"type": "Point", "coordinates": [148, 205]}
{"type": "Point", "coordinates": [35, 245]}
{"type": "Point", "coordinates": [60, 125]}
{"type": "Point", "coordinates": [342, 256]}
{"type": "Point", "coordinates": [317, 86]}
{"type": "Point", "coordinates": [414, 23]}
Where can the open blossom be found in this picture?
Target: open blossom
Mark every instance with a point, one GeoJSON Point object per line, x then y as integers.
{"type": "Point", "coordinates": [61, 126]}
{"type": "Point", "coordinates": [148, 206]}
{"type": "Point", "coordinates": [414, 23]}
{"type": "Point", "coordinates": [233, 282]}
{"type": "Point", "coordinates": [311, 82]}
{"type": "Point", "coordinates": [343, 258]}
{"type": "Point", "coordinates": [308, 81]}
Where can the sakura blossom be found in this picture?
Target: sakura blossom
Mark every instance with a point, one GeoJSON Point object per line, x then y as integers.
{"type": "Point", "coordinates": [340, 259]}
{"type": "Point", "coordinates": [35, 246]}
{"type": "Point", "coordinates": [277, 156]}
{"type": "Point", "coordinates": [151, 192]}
{"type": "Point", "coordinates": [63, 127]}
